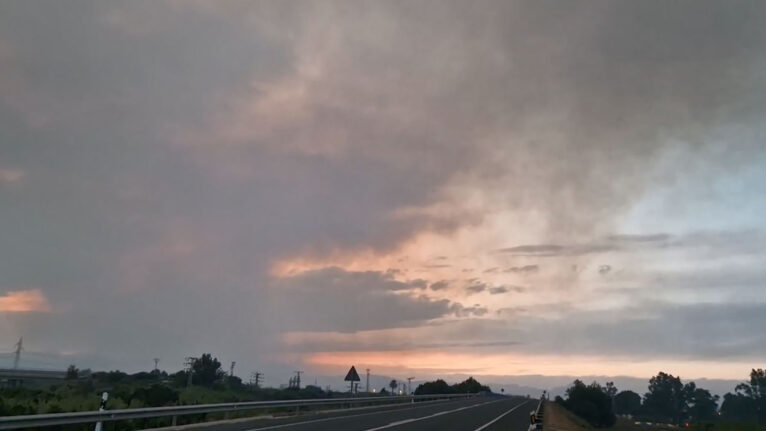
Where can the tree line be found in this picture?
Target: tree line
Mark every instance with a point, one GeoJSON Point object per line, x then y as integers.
{"type": "Point", "coordinates": [668, 400]}
{"type": "Point", "coordinates": [439, 386]}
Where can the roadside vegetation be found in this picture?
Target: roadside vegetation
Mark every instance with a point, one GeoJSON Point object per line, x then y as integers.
{"type": "Point", "coordinates": [209, 384]}
{"type": "Point", "coordinates": [670, 403]}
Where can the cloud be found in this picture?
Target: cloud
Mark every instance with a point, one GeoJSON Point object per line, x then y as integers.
{"type": "Point", "coordinates": [626, 242]}
{"type": "Point", "coordinates": [638, 238]}
{"type": "Point", "coordinates": [476, 287]}
{"type": "Point", "coordinates": [11, 176]}
{"type": "Point", "coordinates": [439, 285]}
{"type": "Point", "coordinates": [604, 269]}
{"type": "Point", "coordinates": [526, 269]}
{"type": "Point", "coordinates": [178, 151]}
{"type": "Point", "coordinates": [383, 340]}
{"type": "Point", "coordinates": [534, 250]}
{"type": "Point", "coordinates": [332, 299]}
{"type": "Point", "coordinates": [497, 290]}
{"type": "Point", "coordinates": [473, 311]}
{"type": "Point", "coordinates": [640, 332]}
{"type": "Point", "coordinates": [24, 301]}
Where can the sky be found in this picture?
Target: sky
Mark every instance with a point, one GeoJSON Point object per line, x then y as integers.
{"type": "Point", "coordinates": [427, 188]}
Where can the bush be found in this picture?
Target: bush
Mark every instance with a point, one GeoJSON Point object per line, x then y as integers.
{"type": "Point", "coordinates": [156, 395]}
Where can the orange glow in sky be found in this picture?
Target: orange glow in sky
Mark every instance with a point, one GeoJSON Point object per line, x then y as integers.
{"type": "Point", "coordinates": [435, 363]}
{"type": "Point", "coordinates": [24, 301]}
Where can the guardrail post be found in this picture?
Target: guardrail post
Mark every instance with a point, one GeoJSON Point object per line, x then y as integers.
{"type": "Point", "coordinates": [101, 408]}
{"type": "Point", "coordinates": [174, 422]}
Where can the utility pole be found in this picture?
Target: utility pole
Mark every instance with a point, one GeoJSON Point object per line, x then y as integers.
{"type": "Point", "coordinates": [409, 384]}
{"type": "Point", "coordinates": [367, 389]}
{"type": "Point", "coordinates": [189, 363]}
{"type": "Point", "coordinates": [156, 363]}
{"type": "Point", "coordinates": [17, 353]}
{"type": "Point", "coordinates": [255, 378]}
{"type": "Point", "coordinates": [231, 369]}
{"type": "Point", "coordinates": [298, 379]}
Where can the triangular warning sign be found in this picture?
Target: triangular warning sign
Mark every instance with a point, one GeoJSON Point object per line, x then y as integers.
{"type": "Point", "coordinates": [352, 375]}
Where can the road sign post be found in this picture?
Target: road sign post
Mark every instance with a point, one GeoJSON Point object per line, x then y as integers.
{"type": "Point", "coordinates": [352, 376]}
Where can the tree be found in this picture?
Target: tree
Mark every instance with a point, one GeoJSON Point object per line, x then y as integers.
{"type": "Point", "coordinates": [738, 408]}
{"type": "Point", "coordinates": [627, 403]}
{"type": "Point", "coordinates": [748, 403]}
{"type": "Point", "coordinates": [206, 370]}
{"type": "Point", "coordinates": [665, 400]}
{"type": "Point", "coordinates": [702, 406]}
{"type": "Point", "coordinates": [393, 385]}
{"type": "Point", "coordinates": [72, 373]}
{"type": "Point", "coordinates": [590, 403]}
{"type": "Point", "coordinates": [610, 389]}
{"type": "Point", "coordinates": [471, 386]}
{"type": "Point", "coordinates": [438, 386]}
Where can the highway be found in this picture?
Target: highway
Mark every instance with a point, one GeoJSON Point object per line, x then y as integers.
{"type": "Point", "coordinates": [473, 414]}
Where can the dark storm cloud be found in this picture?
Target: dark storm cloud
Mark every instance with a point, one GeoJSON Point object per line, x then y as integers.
{"type": "Point", "coordinates": [336, 300]}
{"type": "Point", "coordinates": [157, 157]}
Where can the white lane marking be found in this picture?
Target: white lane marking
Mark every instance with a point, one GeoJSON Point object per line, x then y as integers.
{"type": "Point", "coordinates": [406, 421]}
{"type": "Point", "coordinates": [271, 427]}
{"type": "Point", "coordinates": [498, 418]}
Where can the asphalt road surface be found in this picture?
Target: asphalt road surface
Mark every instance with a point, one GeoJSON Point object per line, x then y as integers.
{"type": "Point", "coordinates": [473, 414]}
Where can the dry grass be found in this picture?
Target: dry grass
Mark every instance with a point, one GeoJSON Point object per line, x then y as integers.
{"type": "Point", "coordinates": [557, 418]}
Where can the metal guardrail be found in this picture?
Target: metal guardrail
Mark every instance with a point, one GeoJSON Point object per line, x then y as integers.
{"type": "Point", "coordinates": [31, 421]}
{"type": "Point", "coordinates": [536, 416]}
